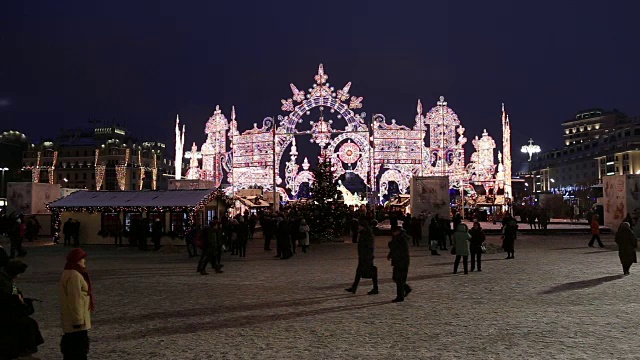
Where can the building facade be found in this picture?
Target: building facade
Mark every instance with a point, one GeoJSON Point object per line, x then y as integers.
{"type": "Point", "coordinates": [597, 144]}
{"type": "Point", "coordinates": [101, 158]}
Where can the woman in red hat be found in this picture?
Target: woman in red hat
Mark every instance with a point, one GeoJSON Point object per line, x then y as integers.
{"type": "Point", "coordinates": [76, 300]}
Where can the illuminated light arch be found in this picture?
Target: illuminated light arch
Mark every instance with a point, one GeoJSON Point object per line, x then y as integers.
{"type": "Point", "coordinates": [362, 164]}
{"type": "Point", "coordinates": [304, 176]}
{"type": "Point", "coordinates": [402, 178]}
{"type": "Point", "coordinates": [320, 95]}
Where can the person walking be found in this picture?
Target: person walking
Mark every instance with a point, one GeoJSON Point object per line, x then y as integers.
{"type": "Point", "coordinates": [627, 245]}
{"type": "Point", "coordinates": [76, 305]}
{"type": "Point", "coordinates": [509, 235]}
{"type": "Point", "coordinates": [16, 239]}
{"type": "Point", "coordinates": [304, 240]}
{"type": "Point", "coordinates": [243, 237]}
{"type": "Point", "coordinates": [156, 234]}
{"type": "Point", "coordinates": [283, 239]}
{"type": "Point", "coordinates": [117, 233]}
{"type": "Point", "coordinates": [76, 233]}
{"type": "Point", "coordinates": [461, 247]}
{"type": "Point", "coordinates": [399, 256]}
{"type": "Point", "coordinates": [354, 230]}
{"type": "Point", "coordinates": [67, 228]}
{"type": "Point", "coordinates": [436, 236]}
{"type": "Point", "coordinates": [595, 231]}
{"type": "Point", "coordinates": [476, 245]}
{"type": "Point", "coordinates": [366, 249]}
{"type": "Point", "coordinates": [415, 228]}
{"type": "Point", "coordinates": [209, 237]}
{"type": "Point", "coordinates": [19, 333]}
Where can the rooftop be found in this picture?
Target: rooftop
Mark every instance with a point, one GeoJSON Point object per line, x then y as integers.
{"type": "Point", "coordinates": [128, 199]}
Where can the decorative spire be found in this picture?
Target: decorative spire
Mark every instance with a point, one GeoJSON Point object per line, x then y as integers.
{"type": "Point", "coordinates": [321, 78]}
{"type": "Point", "coordinates": [233, 113]}
{"type": "Point", "coordinates": [298, 95]}
{"type": "Point", "coordinates": [442, 102]}
{"type": "Point", "coordinates": [344, 93]}
{"type": "Point", "coordinates": [419, 108]}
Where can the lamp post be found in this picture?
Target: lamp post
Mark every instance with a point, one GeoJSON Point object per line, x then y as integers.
{"type": "Point", "coordinates": [531, 149]}
{"type": "Point", "coordinates": [3, 169]}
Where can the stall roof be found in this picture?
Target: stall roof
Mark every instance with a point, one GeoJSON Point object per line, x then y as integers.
{"type": "Point", "coordinates": [253, 201]}
{"type": "Point", "coordinates": [119, 199]}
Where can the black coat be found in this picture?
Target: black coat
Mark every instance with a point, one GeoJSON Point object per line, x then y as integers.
{"type": "Point", "coordinates": [435, 231]}
{"type": "Point", "coordinates": [399, 250]}
{"type": "Point", "coordinates": [366, 248]}
{"type": "Point", "coordinates": [477, 238]}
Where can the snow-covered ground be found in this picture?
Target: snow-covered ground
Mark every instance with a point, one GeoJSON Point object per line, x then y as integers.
{"type": "Point", "coordinates": [556, 299]}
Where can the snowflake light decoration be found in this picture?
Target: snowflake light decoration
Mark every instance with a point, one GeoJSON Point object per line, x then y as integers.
{"type": "Point", "coordinates": [321, 132]}
{"type": "Point", "coordinates": [349, 153]}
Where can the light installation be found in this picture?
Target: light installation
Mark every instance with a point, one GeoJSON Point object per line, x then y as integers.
{"type": "Point", "coordinates": [154, 172]}
{"type": "Point", "coordinates": [121, 170]}
{"type": "Point", "coordinates": [179, 148]}
{"type": "Point", "coordinates": [142, 170]}
{"type": "Point", "coordinates": [213, 151]}
{"type": "Point", "coordinates": [194, 171]}
{"type": "Point", "coordinates": [99, 171]}
{"type": "Point", "coordinates": [51, 168]}
{"type": "Point", "coordinates": [506, 153]}
{"type": "Point", "coordinates": [380, 154]}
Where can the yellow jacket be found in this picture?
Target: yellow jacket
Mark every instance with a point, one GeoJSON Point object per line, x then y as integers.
{"type": "Point", "coordinates": [74, 301]}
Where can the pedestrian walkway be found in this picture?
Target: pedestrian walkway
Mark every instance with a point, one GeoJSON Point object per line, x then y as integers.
{"type": "Point", "coordinates": [549, 302]}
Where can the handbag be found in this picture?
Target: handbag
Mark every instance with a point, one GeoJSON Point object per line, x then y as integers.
{"type": "Point", "coordinates": [368, 272]}
{"type": "Point", "coordinates": [483, 248]}
{"type": "Point", "coordinates": [453, 250]}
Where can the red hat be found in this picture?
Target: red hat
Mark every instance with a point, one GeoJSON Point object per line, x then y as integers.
{"type": "Point", "coordinates": [76, 255]}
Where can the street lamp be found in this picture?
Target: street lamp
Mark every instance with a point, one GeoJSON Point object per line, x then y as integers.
{"type": "Point", "coordinates": [531, 149]}
{"type": "Point", "coordinates": [3, 169]}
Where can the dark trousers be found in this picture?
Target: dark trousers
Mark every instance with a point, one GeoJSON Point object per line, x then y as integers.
{"type": "Point", "coordinates": [75, 345]}
{"type": "Point", "coordinates": [206, 258]}
{"type": "Point", "coordinates": [374, 278]}
{"type": "Point", "coordinates": [442, 243]}
{"type": "Point", "coordinates": [67, 239]}
{"type": "Point", "coordinates": [76, 241]}
{"type": "Point", "coordinates": [354, 237]}
{"type": "Point", "coordinates": [400, 278]}
{"type": "Point", "coordinates": [416, 240]}
{"type": "Point", "coordinates": [16, 247]}
{"type": "Point", "coordinates": [142, 244]}
{"type": "Point", "coordinates": [465, 260]}
{"type": "Point", "coordinates": [595, 237]}
{"type": "Point", "coordinates": [267, 240]}
{"type": "Point", "coordinates": [117, 239]}
{"type": "Point", "coordinates": [242, 249]}
{"type": "Point", "coordinates": [476, 256]}
{"type": "Point", "coordinates": [192, 250]}
{"type": "Point", "coordinates": [626, 267]}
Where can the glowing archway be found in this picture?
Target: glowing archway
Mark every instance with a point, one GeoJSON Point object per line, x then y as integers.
{"type": "Point", "coordinates": [402, 178]}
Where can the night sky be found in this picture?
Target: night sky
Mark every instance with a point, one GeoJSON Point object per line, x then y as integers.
{"type": "Point", "coordinates": [63, 62]}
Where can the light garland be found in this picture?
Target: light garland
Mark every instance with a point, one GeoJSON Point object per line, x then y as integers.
{"type": "Point", "coordinates": [121, 171]}
{"type": "Point", "coordinates": [99, 170]}
{"type": "Point", "coordinates": [142, 169]}
{"type": "Point", "coordinates": [35, 171]}
{"type": "Point", "coordinates": [51, 169]}
{"type": "Point", "coordinates": [154, 172]}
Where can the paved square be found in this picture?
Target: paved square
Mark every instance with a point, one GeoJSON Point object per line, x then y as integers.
{"type": "Point", "coordinates": [557, 299]}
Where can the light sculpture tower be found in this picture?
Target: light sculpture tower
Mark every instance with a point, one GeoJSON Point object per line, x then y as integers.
{"type": "Point", "coordinates": [179, 148]}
